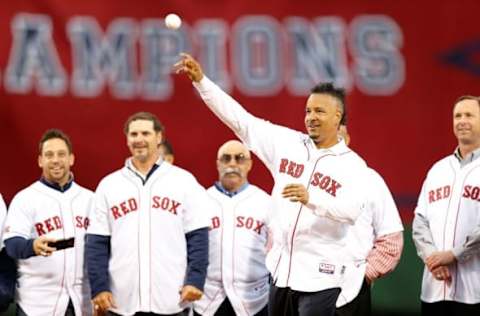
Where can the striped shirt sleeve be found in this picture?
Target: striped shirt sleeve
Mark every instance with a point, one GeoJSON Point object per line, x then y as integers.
{"type": "Point", "coordinates": [384, 256]}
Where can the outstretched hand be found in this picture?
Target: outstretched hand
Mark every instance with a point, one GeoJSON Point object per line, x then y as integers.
{"type": "Point", "coordinates": [188, 65]}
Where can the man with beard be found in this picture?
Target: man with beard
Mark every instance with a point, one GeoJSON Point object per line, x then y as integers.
{"type": "Point", "coordinates": [51, 280]}
{"type": "Point", "coordinates": [237, 278]}
{"type": "Point", "coordinates": [317, 195]}
{"type": "Point", "coordinates": [147, 245]}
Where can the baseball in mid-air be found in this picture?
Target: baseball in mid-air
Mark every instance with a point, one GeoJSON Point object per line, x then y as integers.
{"type": "Point", "coordinates": [173, 21]}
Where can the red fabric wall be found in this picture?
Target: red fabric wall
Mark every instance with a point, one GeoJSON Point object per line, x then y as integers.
{"type": "Point", "coordinates": [400, 132]}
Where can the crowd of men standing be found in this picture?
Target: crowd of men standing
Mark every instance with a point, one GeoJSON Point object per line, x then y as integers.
{"type": "Point", "coordinates": [152, 241]}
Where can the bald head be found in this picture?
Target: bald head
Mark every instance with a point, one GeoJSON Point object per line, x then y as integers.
{"type": "Point", "coordinates": [233, 146]}
{"type": "Point", "coordinates": [233, 164]}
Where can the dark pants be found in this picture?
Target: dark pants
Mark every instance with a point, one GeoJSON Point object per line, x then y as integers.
{"type": "Point", "coordinates": [148, 314]}
{"type": "Point", "coordinates": [360, 306]}
{"type": "Point", "coordinates": [69, 312]}
{"type": "Point", "coordinates": [226, 309]}
{"type": "Point", "coordinates": [450, 308]}
{"type": "Point", "coordinates": [287, 302]}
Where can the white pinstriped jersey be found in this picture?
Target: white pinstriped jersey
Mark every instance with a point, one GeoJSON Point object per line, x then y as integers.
{"type": "Point", "coordinates": [3, 215]}
{"type": "Point", "coordinates": [450, 203]}
{"type": "Point", "coordinates": [147, 224]}
{"type": "Point", "coordinates": [307, 240]}
{"type": "Point", "coordinates": [238, 237]}
{"type": "Point", "coordinates": [45, 284]}
{"type": "Point", "coordinates": [379, 218]}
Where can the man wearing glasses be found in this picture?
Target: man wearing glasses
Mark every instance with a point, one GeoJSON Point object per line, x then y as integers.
{"type": "Point", "coordinates": [237, 279]}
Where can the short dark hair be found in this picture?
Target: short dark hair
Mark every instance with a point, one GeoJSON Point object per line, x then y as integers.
{"type": "Point", "coordinates": [468, 97]}
{"type": "Point", "coordinates": [338, 93]}
{"type": "Point", "coordinates": [144, 116]}
{"type": "Point", "coordinates": [168, 147]}
{"type": "Point", "coordinates": [52, 134]}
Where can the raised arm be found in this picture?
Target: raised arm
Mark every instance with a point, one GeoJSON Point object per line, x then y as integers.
{"type": "Point", "coordinates": [260, 136]}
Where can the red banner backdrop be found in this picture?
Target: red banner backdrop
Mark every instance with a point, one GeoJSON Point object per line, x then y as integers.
{"type": "Point", "coordinates": [85, 66]}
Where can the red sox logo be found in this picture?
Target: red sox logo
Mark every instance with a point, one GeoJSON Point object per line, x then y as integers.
{"type": "Point", "coordinates": [54, 223]}
{"type": "Point", "coordinates": [241, 222]}
{"type": "Point", "coordinates": [131, 205]}
{"type": "Point", "coordinates": [439, 194]}
{"type": "Point", "coordinates": [471, 192]}
{"type": "Point", "coordinates": [320, 180]}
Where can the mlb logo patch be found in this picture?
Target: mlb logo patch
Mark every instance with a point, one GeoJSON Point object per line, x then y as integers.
{"type": "Point", "coordinates": [326, 268]}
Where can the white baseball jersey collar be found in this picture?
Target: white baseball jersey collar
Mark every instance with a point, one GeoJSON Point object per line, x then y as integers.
{"type": "Point", "coordinates": [470, 157]}
{"type": "Point", "coordinates": [337, 149]}
{"type": "Point", "coordinates": [130, 166]}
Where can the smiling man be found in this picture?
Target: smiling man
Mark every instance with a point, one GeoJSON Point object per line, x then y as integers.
{"type": "Point", "coordinates": [50, 280]}
{"type": "Point", "coordinates": [318, 192]}
{"type": "Point", "coordinates": [148, 236]}
{"type": "Point", "coordinates": [446, 227]}
{"type": "Point", "coordinates": [237, 278]}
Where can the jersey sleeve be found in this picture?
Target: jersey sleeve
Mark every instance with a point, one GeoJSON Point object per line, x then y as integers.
{"type": "Point", "coordinates": [98, 214]}
{"type": "Point", "coordinates": [470, 247]}
{"type": "Point", "coordinates": [421, 234]}
{"type": "Point", "coordinates": [386, 219]}
{"type": "Point", "coordinates": [346, 206]}
{"type": "Point", "coordinates": [20, 221]}
{"type": "Point", "coordinates": [261, 136]}
{"type": "Point", "coordinates": [196, 208]}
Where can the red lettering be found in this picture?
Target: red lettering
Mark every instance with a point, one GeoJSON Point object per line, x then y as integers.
{"type": "Point", "coordinates": [249, 223]}
{"type": "Point", "coordinates": [174, 206]}
{"type": "Point", "coordinates": [48, 223]}
{"type": "Point", "coordinates": [446, 191]}
{"type": "Point", "coordinates": [431, 196]}
{"type": "Point", "coordinates": [291, 168]}
{"type": "Point", "coordinates": [132, 203]}
{"type": "Point", "coordinates": [324, 183]}
{"type": "Point", "coordinates": [58, 222]}
{"type": "Point", "coordinates": [475, 193]}
{"type": "Point", "coordinates": [39, 228]}
{"type": "Point", "coordinates": [283, 165]}
{"type": "Point", "coordinates": [86, 222]}
{"type": "Point", "coordinates": [334, 187]}
{"type": "Point", "coordinates": [78, 220]}
{"type": "Point", "coordinates": [156, 202]}
{"type": "Point", "coordinates": [299, 170]}
{"type": "Point", "coordinates": [123, 207]}
{"type": "Point", "coordinates": [165, 203]}
{"type": "Point", "coordinates": [215, 222]}
{"type": "Point", "coordinates": [438, 194]}
{"type": "Point", "coordinates": [316, 178]}
{"type": "Point", "coordinates": [258, 227]}
{"type": "Point", "coordinates": [115, 212]}
{"type": "Point", "coordinates": [466, 191]}
{"type": "Point", "coordinates": [240, 221]}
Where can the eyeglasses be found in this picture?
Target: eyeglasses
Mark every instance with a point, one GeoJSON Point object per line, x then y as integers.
{"type": "Point", "coordinates": [239, 158]}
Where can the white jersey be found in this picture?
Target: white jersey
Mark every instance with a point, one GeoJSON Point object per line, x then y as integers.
{"type": "Point", "coordinates": [449, 202]}
{"type": "Point", "coordinates": [3, 215]}
{"type": "Point", "coordinates": [307, 240]}
{"type": "Point", "coordinates": [379, 218]}
{"type": "Point", "coordinates": [147, 223]}
{"type": "Point", "coordinates": [46, 284]}
{"type": "Point", "coordinates": [238, 237]}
